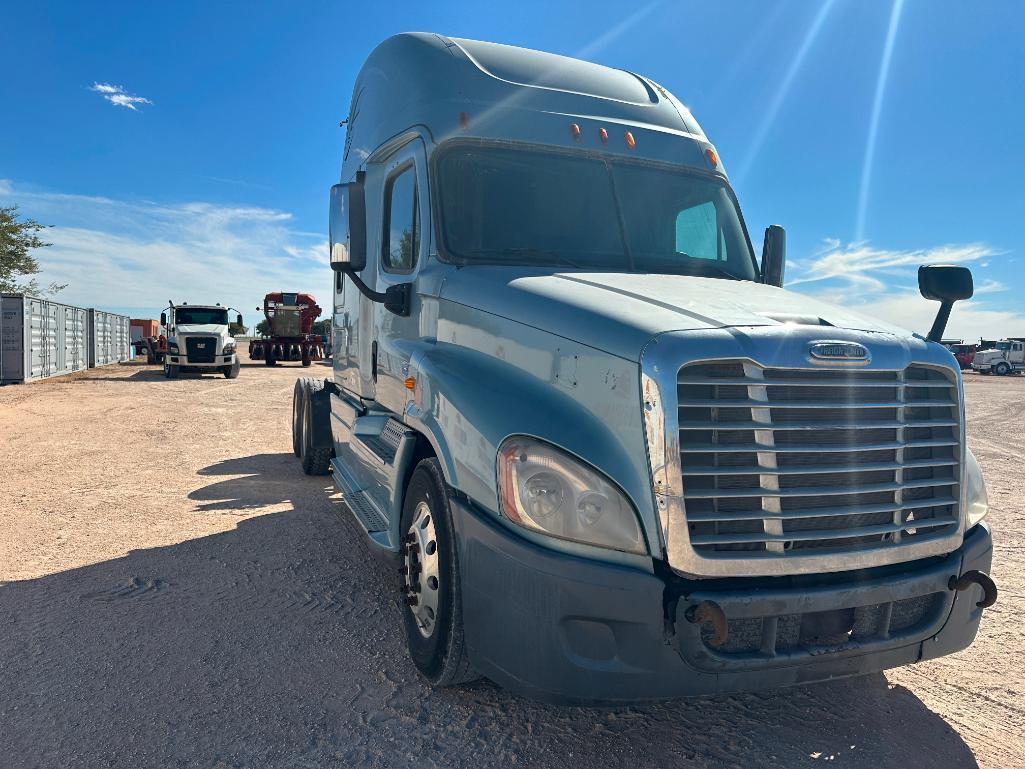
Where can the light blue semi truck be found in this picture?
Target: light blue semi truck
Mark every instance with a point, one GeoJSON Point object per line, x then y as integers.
{"type": "Point", "coordinates": [609, 456]}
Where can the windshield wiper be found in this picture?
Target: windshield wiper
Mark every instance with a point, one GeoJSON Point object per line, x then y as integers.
{"type": "Point", "coordinates": [702, 266]}
{"type": "Point", "coordinates": [538, 255]}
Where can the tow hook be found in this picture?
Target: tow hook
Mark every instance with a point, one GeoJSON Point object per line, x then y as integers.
{"type": "Point", "coordinates": [980, 578]}
{"type": "Point", "coordinates": [710, 612]}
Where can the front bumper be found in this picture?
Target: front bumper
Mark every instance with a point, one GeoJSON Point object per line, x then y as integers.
{"type": "Point", "coordinates": [219, 361]}
{"type": "Point", "coordinates": [566, 629]}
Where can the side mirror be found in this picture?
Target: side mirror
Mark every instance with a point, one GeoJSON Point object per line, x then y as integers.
{"type": "Point", "coordinates": [347, 228]}
{"type": "Point", "coordinates": [946, 284]}
{"type": "Point", "coordinates": [774, 255]}
{"type": "Point", "coordinates": [238, 319]}
{"type": "Point", "coordinates": [163, 319]}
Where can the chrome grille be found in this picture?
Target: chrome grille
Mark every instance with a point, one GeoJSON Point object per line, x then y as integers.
{"type": "Point", "coordinates": [779, 462]}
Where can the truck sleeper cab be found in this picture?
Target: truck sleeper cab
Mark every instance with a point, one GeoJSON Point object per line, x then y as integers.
{"type": "Point", "coordinates": [199, 339]}
{"type": "Point", "coordinates": [611, 458]}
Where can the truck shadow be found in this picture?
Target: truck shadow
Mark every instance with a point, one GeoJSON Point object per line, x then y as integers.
{"type": "Point", "coordinates": [277, 643]}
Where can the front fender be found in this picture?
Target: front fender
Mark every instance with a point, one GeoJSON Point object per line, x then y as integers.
{"type": "Point", "coordinates": [466, 403]}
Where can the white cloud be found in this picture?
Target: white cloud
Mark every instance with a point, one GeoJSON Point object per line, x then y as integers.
{"type": "Point", "coordinates": [882, 283]}
{"type": "Point", "coordinates": [138, 254]}
{"type": "Point", "coordinates": [117, 95]}
{"type": "Point", "coordinates": [853, 263]}
{"type": "Point", "coordinates": [989, 286]}
{"type": "Point", "coordinates": [970, 320]}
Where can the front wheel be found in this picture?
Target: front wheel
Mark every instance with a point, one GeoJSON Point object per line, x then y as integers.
{"type": "Point", "coordinates": [433, 611]}
{"type": "Point", "coordinates": [171, 370]}
{"type": "Point", "coordinates": [316, 460]}
{"type": "Point", "coordinates": [298, 415]}
{"type": "Point", "coordinates": [1002, 369]}
{"type": "Point", "coordinates": [231, 372]}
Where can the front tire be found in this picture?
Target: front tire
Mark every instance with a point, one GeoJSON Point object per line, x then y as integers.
{"type": "Point", "coordinates": [171, 370]}
{"type": "Point", "coordinates": [316, 460]}
{"type": "Point", "coordinates": [231, 372]}
{"type": "Point", "coordinates": [432, 611]}
{"type": "Point", "coordinates": [298, 415]}
{"type": "Point", "coordinates": [1002, 369]}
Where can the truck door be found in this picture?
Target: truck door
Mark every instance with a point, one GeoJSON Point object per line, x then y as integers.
{"type": "Point", "coordinates": [1017, 356]}
{"type": "Point", "coordinates": [403, 238]}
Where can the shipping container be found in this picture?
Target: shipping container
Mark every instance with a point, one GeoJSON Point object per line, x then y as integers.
{"type": "Point", "coordinates": [109, 338]}
{"type": "Point", "coordinates": [141, 328]}
{"type": "Point", "coordinates": [40, 338]}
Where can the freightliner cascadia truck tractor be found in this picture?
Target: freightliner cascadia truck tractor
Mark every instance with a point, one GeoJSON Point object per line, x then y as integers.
{"type": "Point", "coordinates": [199, 340]}
{"type": "Point", "coordinates": [610, 457]}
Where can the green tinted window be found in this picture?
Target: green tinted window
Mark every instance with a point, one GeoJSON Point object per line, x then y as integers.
{"type": "Point", "coordinates": [402, 228]}
{"type": "Point", "coordinates": [698, 234]}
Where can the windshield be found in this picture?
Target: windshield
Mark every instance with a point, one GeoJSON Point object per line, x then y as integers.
{"type": "Point", "coordinates": [1005, 346]}
{"type": "Point", "coordinates": [189, 316]}
{"type": "Point", "coordinates": [515, 206]}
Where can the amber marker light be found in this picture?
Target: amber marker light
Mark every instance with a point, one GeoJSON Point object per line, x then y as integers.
{"type": "Point", "coordinates": [630, 141]}
{"type": "Point", "coordinates": [604, 135]}
{"type": "Point", "coordinates": [712, 157]}
{"type": "Point", "coordinates": [410, 383]}
{"type": "Point", "coordinates": [464, 121]}
{"type": "Point", "coordinates": [574, 131]}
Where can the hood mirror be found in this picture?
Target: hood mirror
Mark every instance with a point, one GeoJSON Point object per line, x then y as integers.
{"type": "Point", "coordinates": [774, 255]}
{"type": "Point", "coordinates": [946, 284]}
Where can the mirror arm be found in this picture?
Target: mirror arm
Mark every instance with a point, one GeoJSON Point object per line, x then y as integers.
{"type": "Point", "coordinates": [396, 299]}
{"type": "Point", "coordinates": [940, 324]}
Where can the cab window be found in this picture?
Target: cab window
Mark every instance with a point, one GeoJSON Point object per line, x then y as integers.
{"type": "Point", "coordinates": [401, 241]}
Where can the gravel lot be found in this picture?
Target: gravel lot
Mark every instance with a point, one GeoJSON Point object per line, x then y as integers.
{"type": "Point", "coordinates": [174, 592]}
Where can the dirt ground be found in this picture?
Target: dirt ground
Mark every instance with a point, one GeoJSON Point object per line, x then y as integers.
{"type": "Point", "coordinates": [175, 593]}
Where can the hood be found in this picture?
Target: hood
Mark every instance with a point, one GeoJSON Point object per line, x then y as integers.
{"type": "Point", "coordinates": [217, 329]}
{"type": "Point", "coordinates": [620, 312]}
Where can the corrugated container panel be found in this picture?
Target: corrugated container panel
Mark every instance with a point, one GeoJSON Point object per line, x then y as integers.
{"type": "Point", "coordinates": [109, 338]}
{"type": "Point", "coordinates": [40, 338]}
{"type": "Point", "coordinates": [122, 338]}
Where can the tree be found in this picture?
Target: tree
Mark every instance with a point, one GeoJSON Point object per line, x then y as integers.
{"type": "Point", "coordinates": [322, 327]}
{"type": "Point", "coordinates": [237, 329]}
{"type": "Point", "coordinates": [17, 239]}
{"type": "Point", "coordinates": [263, 327]}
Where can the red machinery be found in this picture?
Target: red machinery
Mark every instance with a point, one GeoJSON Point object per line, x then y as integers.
{"type": "Point", "coordinates": [290, 317]}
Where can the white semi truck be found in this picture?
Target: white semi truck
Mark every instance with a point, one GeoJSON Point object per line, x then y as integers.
{"type": "Point", "coordinates": [199, 338]}
{"type": "Point", "coordinates": [1007, 357]}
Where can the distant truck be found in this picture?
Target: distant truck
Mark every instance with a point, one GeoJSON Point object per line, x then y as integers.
{"type": "Point", "coordinates": [1006, 357]}
{"type": "Point", "coordinates": [964, 354]}
{"type": "Point", "coordinates": [290, 317]}
{"type": "Point", "coordinates": [609, 456]}
{"type": "Point", "coordinates": [198, 339]}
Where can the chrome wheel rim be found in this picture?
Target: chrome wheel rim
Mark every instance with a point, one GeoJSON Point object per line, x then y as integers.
{"type": "Point", "coordinates": [422, 572]}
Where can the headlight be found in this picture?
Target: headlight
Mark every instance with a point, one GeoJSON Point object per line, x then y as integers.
{"type": "Point", "coordinates": [229, 348]}
{"type": "Point", "coordinates": [546, 489]}
{"type": "Point", "coordinates": [172, 347]}
{"type": "Point", "coordinates": [976, 502]}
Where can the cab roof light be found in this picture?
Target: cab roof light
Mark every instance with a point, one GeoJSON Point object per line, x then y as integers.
{"type": "Point", "coordinates": [713, 158]}
{"type": "Point", "coordinates": [574, 131]}
{"type": "Point", "coordinates": [631, 143]}
{"type": "Point", "coordinates": [464, 121]}
{"type": "Point", "coordinates": [604, 135]}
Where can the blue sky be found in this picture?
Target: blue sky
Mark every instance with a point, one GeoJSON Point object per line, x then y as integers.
{"type": "Point", "coordinates": [221, 172]}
